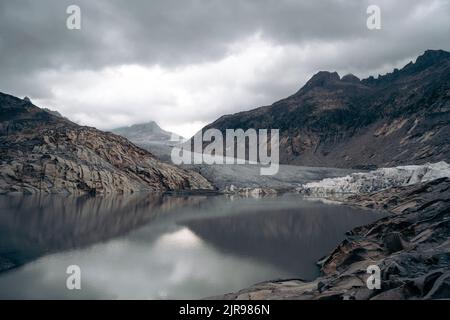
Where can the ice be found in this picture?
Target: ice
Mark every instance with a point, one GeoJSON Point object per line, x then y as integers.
{"type": "Point", "coordinates": [383, 178]}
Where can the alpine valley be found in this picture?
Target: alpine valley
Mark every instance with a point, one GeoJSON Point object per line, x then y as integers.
{"type": "Point", "coordinates": [364, 180]}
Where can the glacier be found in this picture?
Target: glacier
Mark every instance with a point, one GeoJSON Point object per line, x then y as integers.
{"type": "Point", "coordinates": [376, 180]}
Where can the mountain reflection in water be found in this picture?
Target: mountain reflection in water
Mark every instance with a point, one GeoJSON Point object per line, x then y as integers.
{"type": "Point", "coordinates": [162, 246]}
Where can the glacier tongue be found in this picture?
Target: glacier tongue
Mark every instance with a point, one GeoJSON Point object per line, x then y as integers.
{"type": "Point", "coordinates": [383, 178]}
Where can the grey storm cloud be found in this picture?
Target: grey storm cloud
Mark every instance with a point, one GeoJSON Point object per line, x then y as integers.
{"type": "Point", "coordinates": [174, 34]}
{"type": "Point", "coordinates": [33, 35]}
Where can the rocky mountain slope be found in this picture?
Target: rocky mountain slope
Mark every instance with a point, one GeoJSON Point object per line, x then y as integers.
{"type": "Point", "coordinates": [40, 151]}
{"type": "Point", "coordinates": [400, 118]}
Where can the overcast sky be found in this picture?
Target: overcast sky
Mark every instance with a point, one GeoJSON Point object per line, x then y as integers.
{"type": "Point", "coordinates": [186, 63]}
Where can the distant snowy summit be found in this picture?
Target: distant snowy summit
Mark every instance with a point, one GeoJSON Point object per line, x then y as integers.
{"type": "Point", "coordinates": [148, 132]}
{"type": "Point", "coordinates": [151, 137]}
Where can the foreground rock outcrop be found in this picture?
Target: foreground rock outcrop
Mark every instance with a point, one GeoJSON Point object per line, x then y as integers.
{"type": "Point", "coordinates": [411, 246]}
{"type": "Point", "coordinates": [42, 152]}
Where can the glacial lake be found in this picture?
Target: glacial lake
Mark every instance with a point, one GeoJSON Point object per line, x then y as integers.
{"type": "Point", "coordinates": [163, 246]}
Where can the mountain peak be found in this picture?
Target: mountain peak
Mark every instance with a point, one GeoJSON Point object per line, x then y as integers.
{"type": "Point", "coordinates": [150, 125]}
{"type": "Point", "coordinates": [144, 132]}
{"type": "Point", "coordinates": [433, 56]}
{"type": "Point", "coordinates": [321, 79]}
{"type": "Point", "coordinates": [428, 59]}
{"type": "Point", "coordinates": [16, 109]}
{"type": "Point", "coordinates": [325, 76]}
{"type": "Point", "coordinates": [350, 78]}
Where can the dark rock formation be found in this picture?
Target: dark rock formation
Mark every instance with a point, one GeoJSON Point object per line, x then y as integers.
{"type": "Point", "coordinates": [411, 246]}
{"type": "Point", "coordinates": [41, 152]}
{"type": "Point", "coordinates": [400, 118]}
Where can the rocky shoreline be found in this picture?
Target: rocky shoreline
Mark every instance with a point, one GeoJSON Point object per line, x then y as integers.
{"type": "Point", "coordinates": [411, 246]}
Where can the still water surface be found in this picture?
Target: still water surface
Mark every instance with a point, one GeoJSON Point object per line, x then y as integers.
{"type": "Point", "coordinates": [163, 247]}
